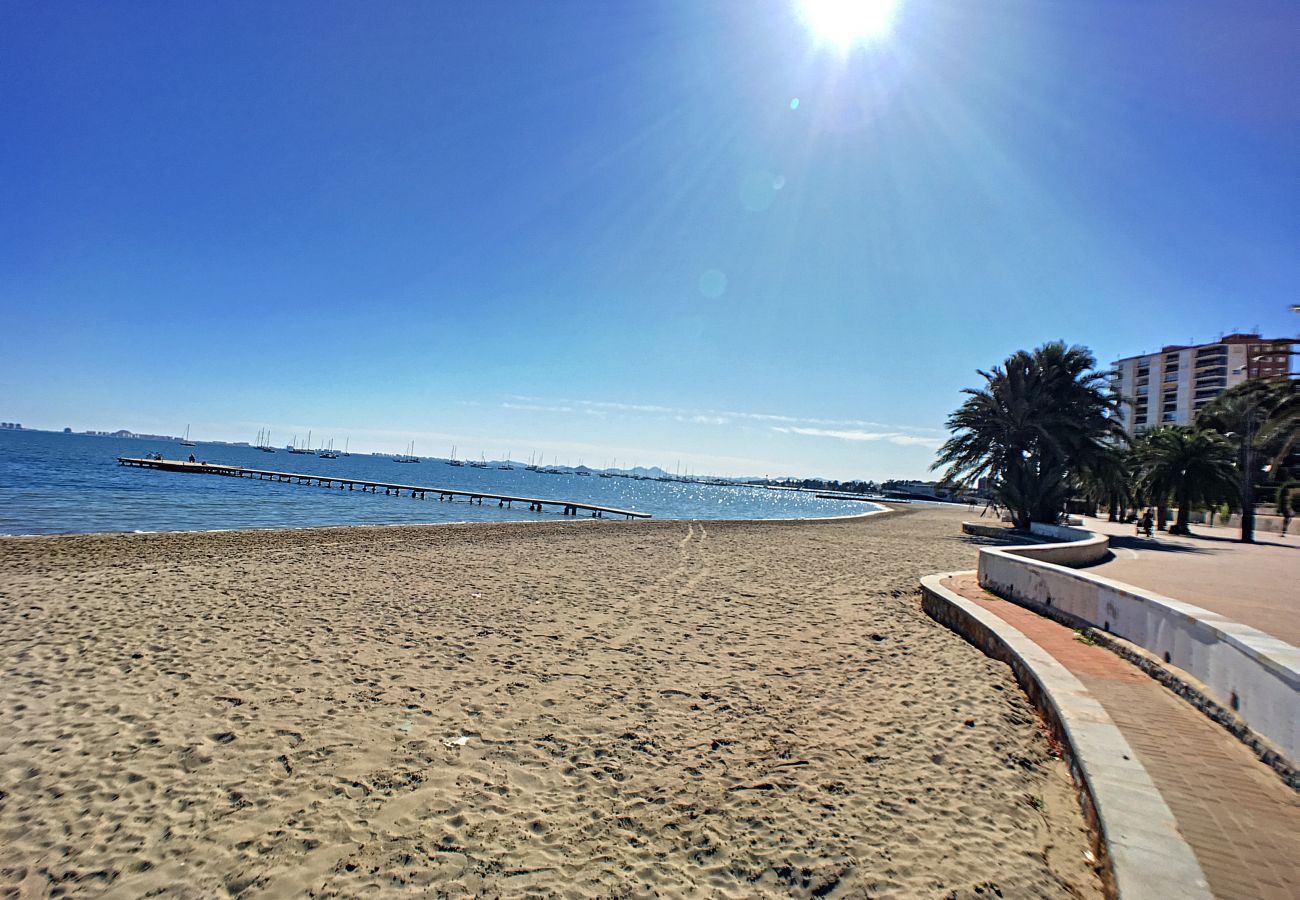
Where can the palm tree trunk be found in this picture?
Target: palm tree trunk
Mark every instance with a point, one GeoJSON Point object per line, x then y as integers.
{"type": "Point", "coordinates": [1162, 511]}
{"type": "Point", "coordinates": [1247, 491]}
{"type": "Point", "coordinates": [1183, 525]}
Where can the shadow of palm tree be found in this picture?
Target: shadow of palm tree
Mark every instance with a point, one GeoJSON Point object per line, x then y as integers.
{"type": "Point", "coordinates": [1156, 545]}
{"type": "Point", "coordinates": [1229, 539]}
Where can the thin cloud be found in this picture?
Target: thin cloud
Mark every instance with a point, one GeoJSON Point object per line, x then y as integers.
{"type": "Point", "coordinates": [913, 440]}
{"type": "Point", "coordinates": [629, 407]}
{"type": "Point", "coordinates": [726, 417]}
{"type": "Point", "coordinates": [537, 407]}
{"type": "Point", "coordinates": [893, 437]}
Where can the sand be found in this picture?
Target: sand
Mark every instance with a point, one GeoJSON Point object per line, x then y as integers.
{"type": "Point", "coordinates": [568, 709]}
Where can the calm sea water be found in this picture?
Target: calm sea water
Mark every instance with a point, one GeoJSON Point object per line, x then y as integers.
{"type": "Point", "coordinates": [64, 483]}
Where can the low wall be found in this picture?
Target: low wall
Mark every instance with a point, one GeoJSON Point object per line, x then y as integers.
{"type": "Point", "coordinates": [1263, 522]}
{"type": "Point", "coordinates": [1076, 547]}
{"type": "Point", "coordinates": [979, 529]}
{"type": "Point", "coordinates": [1252, 673]}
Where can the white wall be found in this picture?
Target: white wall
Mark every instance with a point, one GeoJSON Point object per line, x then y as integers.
{"type": "Point", "coordinates": [1240, 668]}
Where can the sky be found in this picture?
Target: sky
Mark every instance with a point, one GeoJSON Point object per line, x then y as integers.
{"type": "Point", "coordinates": [674, 233]}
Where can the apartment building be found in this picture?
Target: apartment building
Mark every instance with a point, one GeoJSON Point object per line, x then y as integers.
{"type": "Point", "coordinates": [1172, 386]}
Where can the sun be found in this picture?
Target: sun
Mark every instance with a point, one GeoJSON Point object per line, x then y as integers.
{"type": "Point", "coordinates": [846, 23]}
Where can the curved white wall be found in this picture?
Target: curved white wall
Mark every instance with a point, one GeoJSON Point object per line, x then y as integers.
{"type": "Point", "coordinates": [1242, 669]}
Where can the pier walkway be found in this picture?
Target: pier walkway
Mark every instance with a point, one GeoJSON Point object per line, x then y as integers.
{"type": "Point", "coordinates": [535, 504]}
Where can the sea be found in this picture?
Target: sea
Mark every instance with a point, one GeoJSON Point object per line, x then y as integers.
{"type": "Point", "coordinates": [57, 483]}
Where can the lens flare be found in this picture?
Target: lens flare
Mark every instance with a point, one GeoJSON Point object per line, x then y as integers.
{"type": "Point", "coordinates": [846, 23]}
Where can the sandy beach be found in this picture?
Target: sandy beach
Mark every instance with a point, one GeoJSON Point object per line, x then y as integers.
{"type": "Point", "coordinates": [568, 709]}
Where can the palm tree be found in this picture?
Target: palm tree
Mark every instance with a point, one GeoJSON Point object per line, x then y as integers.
{"type": "Point", "coordinates": [1191, 466]}
{"type": "Point", "coordinates": [1041, 419]}
{"type": "Point", "coordinates": [1280, 433]}
{"type": "Point", "coordinates": [1109, 481]}
{"type": "Point", "coordinates": [1262, 419]}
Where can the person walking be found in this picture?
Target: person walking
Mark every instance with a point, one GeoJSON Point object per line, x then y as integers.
{"type": "Point", "coordinates": [1146, 525]}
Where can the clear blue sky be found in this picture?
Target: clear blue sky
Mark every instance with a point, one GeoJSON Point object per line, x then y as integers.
{"type": "Point", "coordinates": [607, 230]}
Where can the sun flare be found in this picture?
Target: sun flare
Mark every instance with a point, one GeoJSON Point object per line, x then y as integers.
{"type": "Point", "coordinates": [846, 23]}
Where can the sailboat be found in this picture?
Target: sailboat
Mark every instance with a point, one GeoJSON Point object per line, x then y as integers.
{"type": "Point", "coordinates": [304, 450]}
{"type": "Point", "coordinates": [454, 461]}
{"type": "Point", "coordinates": [532, 464]}
{"type": "Point", "coordinates": [185, 441]}
{"type": "Point", "coordinates": [506, 466]}
{"type": "Point", "coordinates": [481, 464]}
{"type": "Point", "coordinates": [328, 452]}
{"type": "Point", "coordinates": [605, 474]}
{"type": "Point", "coordinates": [346, 441]}
{"type": "Point", "coordinates": [264, 441]}
{"type": "Point", "coordinates": [410, 456]}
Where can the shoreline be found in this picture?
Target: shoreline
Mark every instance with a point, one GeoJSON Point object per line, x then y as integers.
{"type": "Point", "coordinates": [577, 521]}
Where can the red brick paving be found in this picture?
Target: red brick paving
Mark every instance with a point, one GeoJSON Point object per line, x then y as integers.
{"type": "Point", "coordinates": [1241, 820]}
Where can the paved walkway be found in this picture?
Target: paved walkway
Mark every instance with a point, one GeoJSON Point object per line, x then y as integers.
{"type": "Point", "coordinates": [1254, 584]}
{"type": "Point", "coordinates": [1241, 821]}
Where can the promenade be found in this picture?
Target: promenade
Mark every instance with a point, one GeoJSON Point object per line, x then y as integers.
{"type": "Point", "coordinates": [1239, 818]}
{"type": "Point", "coordinates": [1241, 821]}
{"type": "Point", "coordinates": [1254, 584]}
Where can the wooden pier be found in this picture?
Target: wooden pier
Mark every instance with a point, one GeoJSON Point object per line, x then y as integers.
{"type": "Point", "coordinates": [569, 507]}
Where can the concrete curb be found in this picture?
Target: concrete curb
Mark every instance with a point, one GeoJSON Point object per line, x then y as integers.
{"type": "Point", "coordinates": [1137, 839]}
